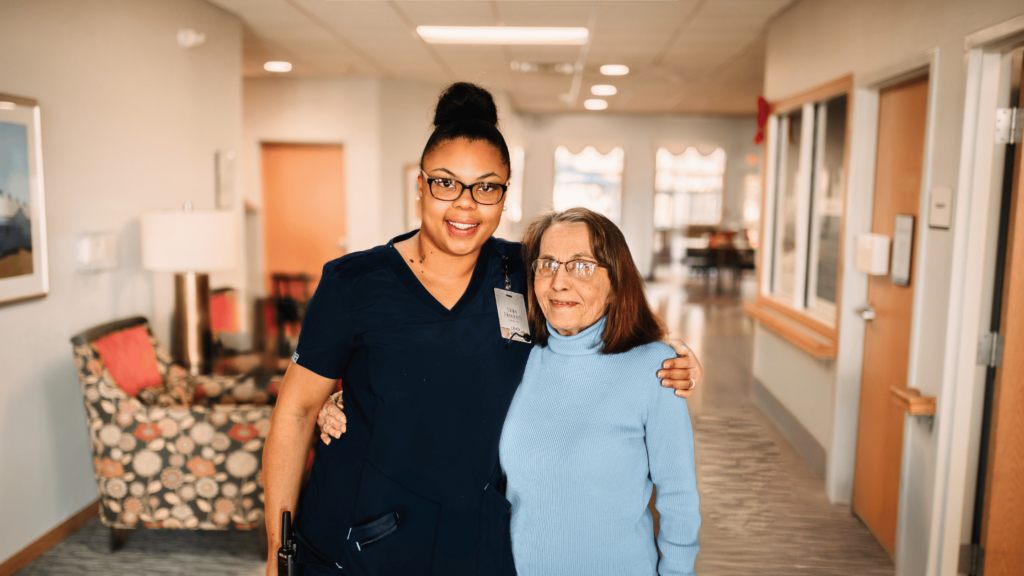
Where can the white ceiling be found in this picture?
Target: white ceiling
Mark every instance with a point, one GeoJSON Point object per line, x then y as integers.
{"type": "Point", "coordinates": [685, 56]}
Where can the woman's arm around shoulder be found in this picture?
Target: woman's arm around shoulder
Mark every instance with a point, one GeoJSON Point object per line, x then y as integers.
{"type": "Point", "coordinates": [670, 453]}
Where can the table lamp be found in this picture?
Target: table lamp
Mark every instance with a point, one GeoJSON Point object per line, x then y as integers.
{"type": "Point", "coordinates": [190, 243]}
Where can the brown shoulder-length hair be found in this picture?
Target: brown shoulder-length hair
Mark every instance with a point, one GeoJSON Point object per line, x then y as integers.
{"type": "Point", "coordinates": [631, 322]}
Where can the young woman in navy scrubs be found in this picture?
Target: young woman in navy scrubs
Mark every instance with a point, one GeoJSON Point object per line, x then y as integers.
{"type": "Point", "coordinates": [412, 328]}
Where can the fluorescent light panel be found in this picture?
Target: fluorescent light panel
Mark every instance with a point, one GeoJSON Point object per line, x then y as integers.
{"type": "Point", "coordinates": [595, 104]}
{"type": "Point", "coordinates": [603, 90]}
{"type": "Point", "coordinates": [614, 70]}
{"type": "Point", "coordinates": [502, 35]}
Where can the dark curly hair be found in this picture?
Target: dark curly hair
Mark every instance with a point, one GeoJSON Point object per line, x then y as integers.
{"type": "Point", "coordinates": [465, 110]}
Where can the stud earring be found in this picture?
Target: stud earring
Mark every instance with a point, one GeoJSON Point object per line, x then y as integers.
{"type": "Point", "coordinates": [504, 208]}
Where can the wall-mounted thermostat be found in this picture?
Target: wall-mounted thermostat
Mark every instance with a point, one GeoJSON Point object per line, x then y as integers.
{"type": "Point", "coordinates": [873, 254]}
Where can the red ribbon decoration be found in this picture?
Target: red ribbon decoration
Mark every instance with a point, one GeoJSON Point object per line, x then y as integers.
{"type": "Point", "coordinates": [763, 110]}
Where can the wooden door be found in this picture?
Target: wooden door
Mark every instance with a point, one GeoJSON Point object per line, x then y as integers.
{"type": "Point", "coordinates": [901, 130]}
{"type": "Point", "coordinates": [303, 208]}
{"type": "Point", "coordinates": [1002, 531]}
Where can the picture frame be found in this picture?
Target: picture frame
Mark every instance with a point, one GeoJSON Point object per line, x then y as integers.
{"type": "Point", "coordinates": [413, 207]}
{"type": "Point", "coordinates": [24, 271]}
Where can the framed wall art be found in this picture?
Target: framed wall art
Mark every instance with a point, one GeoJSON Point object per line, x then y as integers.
{"type": "Point", "coordinates": [23, 266]}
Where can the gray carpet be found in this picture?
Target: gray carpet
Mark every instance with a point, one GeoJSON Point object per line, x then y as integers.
{"type": "Point", "coordinates": [151, 552]}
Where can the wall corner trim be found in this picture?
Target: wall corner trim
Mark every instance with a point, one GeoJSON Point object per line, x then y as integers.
{"type": "Point", "coordinates": [39, 547]}
{"type": "Point", "coordinates": [812, 452]}
{"type": "Point", "coordinates": [988, 37]}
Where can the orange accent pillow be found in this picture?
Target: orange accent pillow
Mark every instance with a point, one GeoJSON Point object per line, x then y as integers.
{"type": "Point", "coordinates": [222, 314]}
{"type": "Point", "coordinates": [130, 359]}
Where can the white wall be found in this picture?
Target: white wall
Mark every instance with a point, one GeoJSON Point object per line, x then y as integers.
{"type": "Point", "coordinates": [818, 40]}
{"type": "Point", "coordinates": [130, 123]}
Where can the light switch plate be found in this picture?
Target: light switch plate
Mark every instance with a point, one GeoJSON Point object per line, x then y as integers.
{"type": "Point", "coordinates": [96, 251]}
{"type": "Point", "coordinates": [940, 210]}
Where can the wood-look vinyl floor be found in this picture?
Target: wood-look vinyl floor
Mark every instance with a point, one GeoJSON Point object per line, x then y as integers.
{"type": "Point", "coordinates": [764, 511]}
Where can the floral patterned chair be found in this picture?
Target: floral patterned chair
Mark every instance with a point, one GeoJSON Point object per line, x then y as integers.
{"type": "Point", "coordinates": [179, 453]}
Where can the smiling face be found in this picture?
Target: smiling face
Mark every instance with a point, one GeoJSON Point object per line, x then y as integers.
{"type": "Point", "coordinates": [571, 305]}
{"type": "Point", "coordinates": [462, 226]}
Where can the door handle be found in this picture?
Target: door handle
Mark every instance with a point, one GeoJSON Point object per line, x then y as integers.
{"type": "Point", "coordinates": [866, 311]}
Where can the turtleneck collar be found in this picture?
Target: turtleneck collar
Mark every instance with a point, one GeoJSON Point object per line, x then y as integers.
{"type": "Point", "coordinates": [586, 341]}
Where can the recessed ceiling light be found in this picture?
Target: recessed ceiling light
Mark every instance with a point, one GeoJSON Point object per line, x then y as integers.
{"type": "Point", "coordinates": [277, 66]}
{"type": "Point", "coordinates": [595, 104]}
{"type": "Point", "coordinates": [566, 68]}
{"type": "Point", "coordinates": [603, 90]}
{"type": "Point", "coordinates": [614, 70]}
{"type": "Point", "coordinates": [501, 35]}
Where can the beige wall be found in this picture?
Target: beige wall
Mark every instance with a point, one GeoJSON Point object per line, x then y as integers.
{"type": "Point", "coordinates": [816, 41]}
{"type": "Point", "coordinates": [130, 123]}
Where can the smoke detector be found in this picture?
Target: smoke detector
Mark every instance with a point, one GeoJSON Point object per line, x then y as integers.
{"type": "Point", "coordinates": [190, 38]}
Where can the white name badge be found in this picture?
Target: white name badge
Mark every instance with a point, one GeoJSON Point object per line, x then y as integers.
{"type": "Point", "coordinates": [512, 315]}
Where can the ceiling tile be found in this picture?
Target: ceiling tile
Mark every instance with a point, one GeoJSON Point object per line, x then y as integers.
{"type": "Point", "coordinates": [707, 61]}
{"type": "Point", "coordinates": [548, 13]}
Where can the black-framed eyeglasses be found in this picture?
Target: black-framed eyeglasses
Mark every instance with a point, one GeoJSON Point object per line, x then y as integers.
{"type": "Point", "coordinates": [450, 189]}
{"type": "Point", "coordinates": [578, 269]}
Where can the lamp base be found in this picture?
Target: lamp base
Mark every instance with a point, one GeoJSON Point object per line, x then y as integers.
{"type": "Point", "coordinates": [192, 345]}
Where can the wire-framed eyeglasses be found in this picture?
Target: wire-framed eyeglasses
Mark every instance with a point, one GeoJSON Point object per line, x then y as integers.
{"type": "Point", "coordinates": [450, 189]}
{"type": "Point", "coordinates": [577, 269]}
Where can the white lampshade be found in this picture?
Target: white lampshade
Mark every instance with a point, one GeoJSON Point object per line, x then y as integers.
{"type": "Point", "coordinates": [195, 241]}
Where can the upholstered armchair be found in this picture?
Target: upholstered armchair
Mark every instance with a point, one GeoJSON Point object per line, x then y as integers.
{"type": "Point", "coordinates": [170, 450]}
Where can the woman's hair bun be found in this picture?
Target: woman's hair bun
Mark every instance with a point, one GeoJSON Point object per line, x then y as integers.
{"type": "Point", "coordinates": [465, 102]}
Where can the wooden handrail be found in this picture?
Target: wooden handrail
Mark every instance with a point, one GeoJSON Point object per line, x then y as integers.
{"type": "Point", "coordinates": [809, 341]}
{"type": "Point", "coordinates": [911, 401]}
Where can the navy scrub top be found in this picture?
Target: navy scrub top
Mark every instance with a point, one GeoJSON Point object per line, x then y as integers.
{"type": "Point", "coordinates": [426, 391]}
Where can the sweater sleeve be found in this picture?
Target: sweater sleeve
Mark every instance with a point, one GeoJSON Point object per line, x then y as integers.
{"type": "Point", "coordinates": [669, 438]}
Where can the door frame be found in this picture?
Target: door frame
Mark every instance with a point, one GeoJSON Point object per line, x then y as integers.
{"type": "Point", "coordinates": [976, 221]}
{"type": "Point", "coordinates": [858, 213]}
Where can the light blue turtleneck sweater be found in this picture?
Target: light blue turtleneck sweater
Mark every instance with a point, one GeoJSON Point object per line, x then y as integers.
{"type": "Point", "coordinates": [585, 439]}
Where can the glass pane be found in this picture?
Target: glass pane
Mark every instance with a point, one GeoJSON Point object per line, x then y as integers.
{"type": "Point", "coordinates": [589, 179]}
{"type": "Point", "coordinates": [695, 183]}
{"type": "Point", "coordinates": [828, 200]}
{"type": "Point", "coordinates": [785, 257]}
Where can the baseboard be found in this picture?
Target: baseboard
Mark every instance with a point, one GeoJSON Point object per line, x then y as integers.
{"type": "Point", "coordinates": [800, 437]}
{"type": "Point", "coordinates": [49, 540]}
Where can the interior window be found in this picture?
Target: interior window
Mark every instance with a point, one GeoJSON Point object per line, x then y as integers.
{"type": "Point", "coordinates": [688, 188]}
{"type": "Point", "coordinates": [786, 200]}
{"type": "Point", "coordinates": [805, 208]}
{"type": "Point", "coordinates": [589, 179]}
{"type": "Point", "coordinates": [826, 205]}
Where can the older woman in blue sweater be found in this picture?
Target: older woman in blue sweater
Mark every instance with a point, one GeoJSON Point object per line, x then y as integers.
{"type": "Point", "coordinates": [589, 432]}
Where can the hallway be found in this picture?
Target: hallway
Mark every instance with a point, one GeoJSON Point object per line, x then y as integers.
{"type": "Point", "coordinates": [764, 511]}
